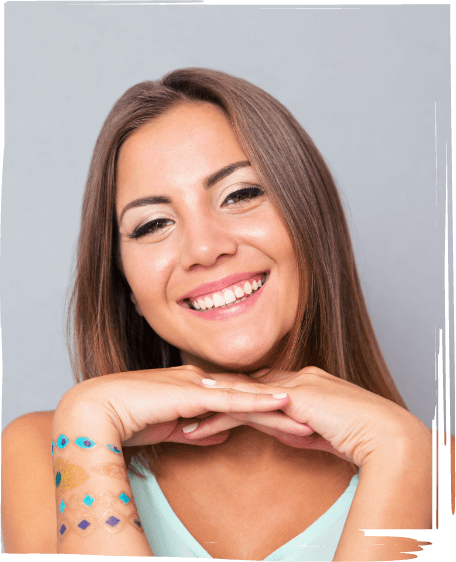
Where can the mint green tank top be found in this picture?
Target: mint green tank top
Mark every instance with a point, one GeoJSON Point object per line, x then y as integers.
{"type": "Point", "coordinates": [167, 535]}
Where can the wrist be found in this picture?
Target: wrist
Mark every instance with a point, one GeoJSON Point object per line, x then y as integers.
{"type": "Point", "coordinates": [404, 447]}
{"type": "Point", "coordinates": [80, 411]}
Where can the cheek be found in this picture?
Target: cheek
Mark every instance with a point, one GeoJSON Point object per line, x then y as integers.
{"type": "Point", "coordinates": [147, 273]}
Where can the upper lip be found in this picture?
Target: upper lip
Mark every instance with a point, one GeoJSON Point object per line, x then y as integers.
{"type": "Point", "coordinates": [215, 286]}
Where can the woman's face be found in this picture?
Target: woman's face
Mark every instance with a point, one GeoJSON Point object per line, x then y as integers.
{"type": "Point", "coordinates": [198, 234]}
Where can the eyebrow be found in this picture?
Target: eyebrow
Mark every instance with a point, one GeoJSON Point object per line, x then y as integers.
{"type": "Point", "coordinates": [208, 183]}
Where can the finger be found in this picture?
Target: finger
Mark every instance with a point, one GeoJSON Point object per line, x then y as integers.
{"type": "Point", "coordinates": [151, 434]}
{"type": "Point", "coordinates": [178, 436]}
{"type": "Point", "coordinates": [272, 420]}
{"type": "Point", "coordinates": [233, 400]}
{"type": "Point", "coordinates": [218, 423]}
{"type": "Point", "coordinates": [314, 442]}
{"type": "Point", "coordinates": [249, 387]}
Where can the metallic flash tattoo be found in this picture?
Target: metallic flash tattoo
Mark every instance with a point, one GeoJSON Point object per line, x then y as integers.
{"type": "Point", "coordinates": [111, 469]}
{"type": "Point", "coordinates": [67, 476]}
{"type": "Point", "coordinates": [111, 521]}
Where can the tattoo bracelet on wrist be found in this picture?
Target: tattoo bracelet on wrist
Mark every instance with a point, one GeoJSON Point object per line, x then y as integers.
{"type": "Point", "coordinates": [83, 443]}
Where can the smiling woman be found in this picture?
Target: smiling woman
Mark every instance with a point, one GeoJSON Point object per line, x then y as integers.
{"type": "Point", "coordinates": [209, 231]}
{"type": "Point", "coordinates": [230, 384]}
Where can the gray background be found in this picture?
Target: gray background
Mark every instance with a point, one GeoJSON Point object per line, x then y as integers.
{"type": "Point", "coordinates": [368, 83]}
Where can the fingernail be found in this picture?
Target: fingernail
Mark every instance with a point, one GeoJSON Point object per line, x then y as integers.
{"type": "Point", "coordinates": [279, 396]}
{"type": "Point", "coordinates": [210, 382]}
{"type": "Point", "coordinates": [190, 427]}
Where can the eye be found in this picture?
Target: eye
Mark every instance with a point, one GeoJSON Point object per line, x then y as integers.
{"type": "Point", "coordinates": [242, 195]}
{"type": "Point", "coordinates": [151, 227]}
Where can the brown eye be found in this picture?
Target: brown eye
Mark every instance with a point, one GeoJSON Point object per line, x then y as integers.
{"type": "Point", "coordinates": [242, 195]}
{"type": "Point", "coordinates": [151, 227]}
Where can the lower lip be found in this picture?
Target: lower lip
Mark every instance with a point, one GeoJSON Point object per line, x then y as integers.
{"type": "Point", "coordinates": [229, 311]}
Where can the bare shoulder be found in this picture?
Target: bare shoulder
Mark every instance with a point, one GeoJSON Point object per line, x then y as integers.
{"type": "Point", "coordinates": [28, 507]}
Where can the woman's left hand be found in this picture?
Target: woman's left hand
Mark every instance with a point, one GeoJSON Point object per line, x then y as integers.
{"type": "Point", "coordinates": [349, 421]}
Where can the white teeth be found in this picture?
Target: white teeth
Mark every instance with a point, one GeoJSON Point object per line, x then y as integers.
{"type": "Point", "coordinates": [229, 297]}
{"type": "Point", "coordinates": [218, 300]}
{"type": "Point", "coordinates": [247, 288]}
{"type": "Point", "coordinates": [238, 292]}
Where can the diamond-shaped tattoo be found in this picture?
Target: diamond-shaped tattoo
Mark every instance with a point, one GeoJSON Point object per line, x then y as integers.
{"type": "Point", "coordinates": [106, 498]}
{"type": "Point", "coordinates": [73, 503]}
{"type": "Point", "coordinates": [84, 524]}
{"type": "Point", "coordinates": [112, 521]}
{"type": "Point", "coordinates": [88, 500]}
{"type": "Point", "coordinates": [124, 498]}
{"type": "Point", "coordinates": [134, 520]}
{"type": "Point", "coordinates": [63, 527]}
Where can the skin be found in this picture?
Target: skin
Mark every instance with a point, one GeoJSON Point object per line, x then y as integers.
{"type": "Point", "coordinates": [172, 157]}
{"type": "Point", "coordinates": [265, 456]}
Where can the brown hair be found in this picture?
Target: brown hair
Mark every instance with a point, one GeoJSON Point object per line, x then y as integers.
{"type": "Point", "coordinates": [332, 329]}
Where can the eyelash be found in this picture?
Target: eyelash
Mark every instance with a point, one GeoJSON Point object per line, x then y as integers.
{"type": "Point", "coordinates": [243, 195]}
{"type": "Point", "coordinates": [251, 193]}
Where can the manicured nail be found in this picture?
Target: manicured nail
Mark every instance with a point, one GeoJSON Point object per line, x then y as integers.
{"type": "Point", "coordinates": [190, 427]}
{"type": "Point", "coordinates": [209, 382]}
{"type": "Point", "coordinates": [279, 396]}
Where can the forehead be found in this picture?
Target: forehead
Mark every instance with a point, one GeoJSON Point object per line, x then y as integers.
{"type": "Point", "coordinates": [185, 144]}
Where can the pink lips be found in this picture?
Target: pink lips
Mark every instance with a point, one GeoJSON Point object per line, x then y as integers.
{"type": "Point", "coordinates": [224, 283]}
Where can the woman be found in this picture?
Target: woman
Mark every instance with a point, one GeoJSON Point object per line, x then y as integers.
{"type": "Point", "coordinates": [216, 286]}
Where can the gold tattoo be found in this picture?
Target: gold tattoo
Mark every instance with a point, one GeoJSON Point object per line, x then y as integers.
{"type": "Point", "coordinates": [111, 469]}
{"type": "Point", "coordinates": [67, 476]}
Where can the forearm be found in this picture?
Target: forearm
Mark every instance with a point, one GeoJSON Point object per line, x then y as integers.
{"type": "Point", "coordinates": [394, 492]}
{"type": "Point", "coordinates": [96, 513]}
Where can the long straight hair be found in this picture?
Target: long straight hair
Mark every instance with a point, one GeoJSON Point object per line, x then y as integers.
{"type": "Point", "coordinates": [332, 329]}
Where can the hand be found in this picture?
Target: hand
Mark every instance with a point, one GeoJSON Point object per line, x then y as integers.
{"type": "Point", "coordinates": [350, 421]}
{"type": "Point", "coordinates": [276, 423]}
{"type": "Point", "coordinates": [147, 407]}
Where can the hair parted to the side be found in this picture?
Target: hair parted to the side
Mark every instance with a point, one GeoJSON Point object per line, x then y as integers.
{"type": "Point", "coordinates": [332, 329]}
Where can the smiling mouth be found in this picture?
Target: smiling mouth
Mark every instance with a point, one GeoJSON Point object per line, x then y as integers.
{"type": "Point", "coordinates": [229, 297]}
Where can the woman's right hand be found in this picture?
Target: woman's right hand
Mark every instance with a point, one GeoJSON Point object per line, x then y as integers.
{"type": "Point", "coordinates": [152, 406]}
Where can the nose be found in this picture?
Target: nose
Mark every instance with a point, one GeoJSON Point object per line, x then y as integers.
{"type": "Point", "coordinates": [206, 241]}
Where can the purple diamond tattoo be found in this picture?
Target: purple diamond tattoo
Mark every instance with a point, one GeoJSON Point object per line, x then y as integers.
{"type": "Point", "coordinates": [83, 524]}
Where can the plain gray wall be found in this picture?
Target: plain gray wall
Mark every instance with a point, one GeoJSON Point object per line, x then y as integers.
{"type": "Point", "coordinates": [367, 83]}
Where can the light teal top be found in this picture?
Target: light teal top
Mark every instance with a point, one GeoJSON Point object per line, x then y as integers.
{"type": "Point", "coordinates": [167, 535]}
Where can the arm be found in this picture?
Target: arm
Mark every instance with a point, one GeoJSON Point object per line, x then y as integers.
{"type": "Point", "coordinates": [392, 447]}
{"type": "Point", "coordinates": [28, 507]}
{"type": "Point", "coordinates": [96, 513]}
{"type": "Point", "coordinates": [398, 482]}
